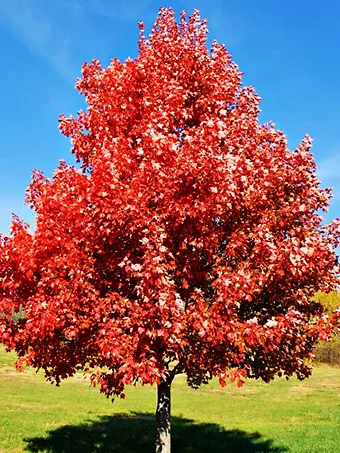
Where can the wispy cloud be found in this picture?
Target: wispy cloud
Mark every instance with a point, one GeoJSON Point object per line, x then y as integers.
{"type": "Point", "coordinates": [34, 27]}
{"type": "Point", "coordinates": [329, 168]}
{"type": "Point", "coordinates": [75, 6]}
{"type": "Point", "coordinates": [122, 10]}
{"type": "Point", "coordinates": [225, 27]}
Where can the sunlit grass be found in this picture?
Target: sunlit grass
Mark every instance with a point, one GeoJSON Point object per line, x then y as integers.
{"type": "Point", "coordinates": [282, 416]}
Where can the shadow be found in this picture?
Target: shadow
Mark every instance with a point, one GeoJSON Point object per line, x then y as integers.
{"type": "Point", "coordinates": [135, 434]}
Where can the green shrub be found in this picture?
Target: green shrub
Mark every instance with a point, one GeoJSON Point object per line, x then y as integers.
{"type": "Point", "coordinates": [329, 352]}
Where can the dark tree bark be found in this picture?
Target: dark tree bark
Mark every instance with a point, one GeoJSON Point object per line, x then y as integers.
{"type": "Point", "coordinates": [163, 436]}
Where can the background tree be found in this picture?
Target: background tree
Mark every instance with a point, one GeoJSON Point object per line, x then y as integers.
{"type": "Point", "coordinates": [189, 239]}
{"type": "Point", "coordinates": [329, 351]}
{"type": "Point", "coordinates": [330, 301]}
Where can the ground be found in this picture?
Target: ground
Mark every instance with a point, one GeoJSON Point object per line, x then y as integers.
{"type": "Point", "coordinates": [283, 416]}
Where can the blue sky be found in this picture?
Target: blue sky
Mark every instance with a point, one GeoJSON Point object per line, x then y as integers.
{"type": "Point", "coordinates": [289, 50]}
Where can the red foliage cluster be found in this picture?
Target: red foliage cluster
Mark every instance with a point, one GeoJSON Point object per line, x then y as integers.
{"type": "Point", "coordinates": [188, 241]}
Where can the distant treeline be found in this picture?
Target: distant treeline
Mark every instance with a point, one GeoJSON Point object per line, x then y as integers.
{"type": "Point", "coordinates": [329, 352]}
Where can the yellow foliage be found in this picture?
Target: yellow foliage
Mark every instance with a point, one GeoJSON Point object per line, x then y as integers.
{"type": "Point", "coordinates": [330, 301]}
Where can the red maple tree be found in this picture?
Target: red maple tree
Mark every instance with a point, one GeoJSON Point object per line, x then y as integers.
{"type": "Point", "coordinates": [189, 240]}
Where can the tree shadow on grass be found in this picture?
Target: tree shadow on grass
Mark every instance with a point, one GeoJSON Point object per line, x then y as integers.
{"type": "Point", "coordinates": [135, 433]}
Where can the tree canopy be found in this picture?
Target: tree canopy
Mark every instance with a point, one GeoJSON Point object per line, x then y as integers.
{"type": "Point", "coordinates": [187, 240]}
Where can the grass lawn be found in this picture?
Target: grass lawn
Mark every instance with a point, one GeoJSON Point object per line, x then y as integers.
{"type": "Point", "coordinates": [279, 417]}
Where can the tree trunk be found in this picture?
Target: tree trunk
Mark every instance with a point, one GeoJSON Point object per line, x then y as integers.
{"type": "Point", "coordinates": [163, 444]}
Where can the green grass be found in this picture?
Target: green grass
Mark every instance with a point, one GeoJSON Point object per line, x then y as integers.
{"type": "Point", "coordinates": [279, 417]}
